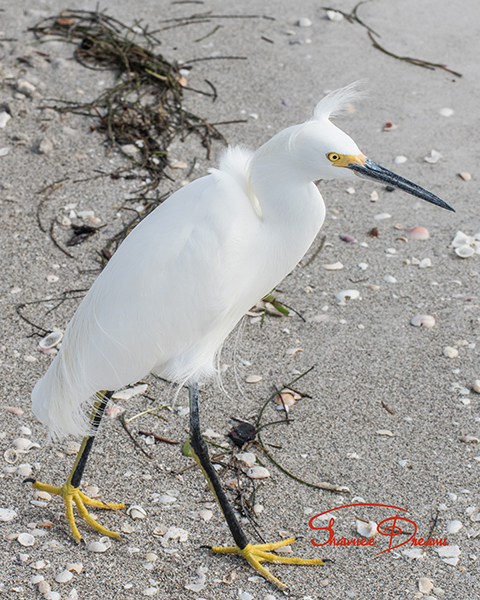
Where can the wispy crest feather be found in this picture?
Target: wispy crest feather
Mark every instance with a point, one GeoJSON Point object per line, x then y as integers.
{"type": "Point", "coordinates": [336, 102]}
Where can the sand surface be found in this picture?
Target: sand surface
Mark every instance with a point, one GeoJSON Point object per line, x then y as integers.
{"type": "Point", "coordinates": [366, 354]}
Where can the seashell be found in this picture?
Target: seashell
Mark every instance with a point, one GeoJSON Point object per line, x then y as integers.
{"type": "Point", "coordinates": [128, 393]}
{"type": "Point", "coordinates": [285, 398]}
{"type": "Point", "coordinates": [426, 320]}
{"type": "Point", "coordinates": [6, 514]}
{"type": "Point", "coordinates": [253, 378]}
{"type": "Point", "coordinates": [334, 15]}
{"type": "Point", "coordinates": [25, 430]}
{"type": "Point", "coordinates": [347, 295]}
{"type": "Point", "coordinates": [136, 512]}
{"type": "Point", "coordinates": [464, 251]}
{"type": "Point", "coordinates": [425, 585]}
{"type": "Point", "coordinates": [476, 386]}
{"type": "Point", "coordinates": [14, 410]}
{"type": "Point", "coordinates": [462, 239]}
{"type": "Point", "coordinates": [36, 579]}
{"type": "Point", "coordinates": [40, 564]}
{"type": "Point", "coordinates": [72, 448]}
{"type": "Point", "coordinates": [346, 237]}
{"type": "Point", "coordinates": [400, 159]}
{"type": "Point", "coordinates": [382, 216]}
{"type": "Point", "coordinates": [174, 533]}
{"type": "Point", "coordinates": [333, 267]}
{"type": "Point", "coordinates": [257, 509]}
{"type": "Point", "coordinates": [386, 432]}
{"type": "Point", "coordinates": [446, 112]}
{"type": "Point", "coordinates": [258, 473]}
{"type": "Point", "coordinates": [26, 539]}
{"type": "Point", "coordinates": [113, 410]}
{"type": "Point", "coordinates": [151, 591]}
{"type": "Point", "coordinates": [64, 577]}
{"type": "Point", "coordinates": [21, 444]}
{"type": "Point", "coordinates": [165, 499]}
{"type": "Point", "coordinates": [247, 457]}
{"type": "Point", "coordinates": [425, 263]}
{"type": "Point", "coordinates": [4, 119]}
{"type": "Point", "coordinates": [363, 266]}
{"type": "Point", "coordinates": [205, 514]}
{"type": "Point", "coordinates": [374, 196]}
{"type": "Point", "coordinates": [304, 22]}
{"type": "Point", "coordinates": [389, 279]}
{"type": "Point", "coordinates": [469, 439]}
{"type": "Point", "coordinates": [24, 470]}
{"type": "Point", "coordinates": [390, 251]}
{"type": "Point", "coordinates": [51, 340]}
{"type": "Point", "coordinates": [77, 567]}
{"type": "Point", "coordinates": [43, 586]}
{"type": "Point", "coordinates": [97, 547]}
{"type": "Point", "coordinates": [450, 352]}
{"type": "Point", "coordinates": [433, 158]}
{"type": "Point", "coordinates": [418, 233]}
{"type": "Point", "coordinates": [465, 176]}
{"type": "Point", "coordinates": [52, 278]}
{"type": "Point", "coordinates": [292, 351]}
{"type": "Point", "coordinates": [448, 551]}
{"type": "Point", "coordinates": [454, 526]}
{"type": "Point", "coordinates": [272, 310]}
{"type": "Point", "coordinates": [52, 596]}
{"type": "Point", "coordinates": [366, 529]}
{"type": "Point", "coordinates": [10, 456]}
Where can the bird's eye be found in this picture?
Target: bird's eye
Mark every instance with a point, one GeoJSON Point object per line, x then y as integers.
{"type": "Point", "coordinates": [333, 156]}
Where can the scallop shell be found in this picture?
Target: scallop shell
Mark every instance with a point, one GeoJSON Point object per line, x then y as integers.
{"type": "Point", "coordinates": [51, 340]}
{"type": "Point", "coordinates": [426, 320]}
{"type": "Point", "coordinates": [464, 251]}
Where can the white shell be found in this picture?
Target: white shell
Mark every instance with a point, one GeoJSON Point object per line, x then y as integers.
{"type": "Point", "coordinates": [450, 352]}
{"type": "Point", "coordinates": [253, 378]}
{"type": "Point", "coordinates": [389, 279]}
{"type": "Point", "coordinates": [258, 473]}
{"type": "Point", "coordinates": [454, 526]}
{"type": "Point", "coordinates": [52, 596]}
{"type": "Point", "coordinates": [136, 512]}
{"type": "Point", "coordinates": [64, 577]}
{"type": "Point", "coordinates": [400, 159]}
{"type": "Point", "coordinates": [433, 158]}
{"type": "Point", "coordinates": [333, 267]}
{"type": "Point", "coordinates": [25, 539]}
{"type": "Point", "coordinates": [347, 295]}
{"type": "Point", "coordinates": [476, 386]}
{"type": "Point", "coordinates": [461, 239]}
{"type": "Point", "coordinates": [247, 457]}
{"type": "Point", "coordinates": [366, 529]}
{"type": "Point", "coordinates": [426, 320]}
{"type": "Point", "coordinates": [130, 392]}
{"type": "Point", "coordinates": [21, 444]}
{"type": "Point", "coordinates": [51, 340]}
{"type": "Point", "coordinates": [464, 251]}
{"type": "Point", "coordinates": [304, 22]}
{"type": "Point", "coordinates": [24, 470]}
{"type": "Point", "coordinates": [425, 263]}
{"type": "Point", "coordinates": [446, 112]}
{"type": "Point", "coordinates": [165, 499]}
{"type": "Point", "coordinates": [97, 547]}
{"type": "Point", "coordinates": [43, 586]}
{"type": "Point", "coordinates": [448, 551]}
{"type": "Point", "coordinates": [382, 216]}
{"type": "Point", "coordinates": [425, 585]}
{"type": "Point", "coordinates": [7, 514]}
{"type": "Point", "coordinates": [10, 456]}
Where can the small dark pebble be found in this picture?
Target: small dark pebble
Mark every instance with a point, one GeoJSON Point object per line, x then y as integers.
{"type": "Point", "coordinates": [245, 432]}
{"type": "Point", "coordinates": [389, 188]}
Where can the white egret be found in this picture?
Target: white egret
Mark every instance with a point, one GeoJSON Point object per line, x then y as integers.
{"type": "Point", "coordinates": [182, 280]}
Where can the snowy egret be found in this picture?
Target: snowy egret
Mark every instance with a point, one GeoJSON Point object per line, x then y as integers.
{"type": "Point", "coordinates": [181, 281]}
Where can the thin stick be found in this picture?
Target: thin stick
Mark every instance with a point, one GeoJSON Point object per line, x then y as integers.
{"type": "Point", "coordinates": [316, 253]}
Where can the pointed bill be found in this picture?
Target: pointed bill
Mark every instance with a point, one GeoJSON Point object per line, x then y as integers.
{"type": "Point", "coordinates": [370, 170]}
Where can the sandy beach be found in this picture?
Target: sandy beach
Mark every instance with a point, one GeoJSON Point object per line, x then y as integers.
{"type": "Point", "coordinates": [387, 411]}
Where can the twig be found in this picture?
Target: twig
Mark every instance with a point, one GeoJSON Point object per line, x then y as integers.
{"type": "Point", "coordinates": [157, 437]}
{"type": "Point", "coordinates": [316, 253]}
{"type": "Point", "coordinates": [387, 408]}
{"type": "Point", "coordinates": [52, 226]}
{"type": "Point", "coordinates": [121, 418]}
{"type": "Point", "coordinates": [208, 34]}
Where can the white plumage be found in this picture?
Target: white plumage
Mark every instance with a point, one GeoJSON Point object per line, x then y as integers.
{"type": "Point", "coordinates": [186, 275]}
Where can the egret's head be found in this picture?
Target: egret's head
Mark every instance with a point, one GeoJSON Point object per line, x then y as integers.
{"type": "Point", "coordinates": [329, 153]}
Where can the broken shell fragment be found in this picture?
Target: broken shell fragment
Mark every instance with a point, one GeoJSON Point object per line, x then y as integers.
{"type": "Point", "coordinates": [25, 539]}
{"type": "Point", "coordinates": [64, 577]}
{"type": "Point", "coordinates": [450, 352]}
{"type": "Point", "coordinates": [465, 176]}
{"type": "Point", "coordinates": [333, 267]}
{"type": "Point", "coordinates": [476, 386]}
{"type": "Point", "coordinates": [7, 514]}
{"type": "Point", "coordinates": [426, 320]}
{"type": "Point", "coordinates": [97, 547]}
{"type": "Point", "coordinates": [366, 529]}
{"type": "Point", "coordinates": [433, 158]}
{"type": "Point", "coordinates": [454, 526]}
{"type": "Point", "coordinates": [446, 112]}
{"type": "Point", "coordinates": [51, 340]}
{"type": "Point", "coordinates": [418, 233]}
{"type": "Point", "coordinates": [21, 444]}
{"type": "Point", "coordinates": [425, 585]}
{"type": "Point", "coordinates": [136, 512]}
{"type": "Point", "coordinates": [247, 457]}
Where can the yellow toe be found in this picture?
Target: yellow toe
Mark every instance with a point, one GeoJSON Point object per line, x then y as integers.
{"type": "Point", "coordinates": [256, 553]}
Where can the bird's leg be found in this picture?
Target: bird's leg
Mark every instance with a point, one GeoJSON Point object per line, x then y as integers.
{"type": "Point", "coordinates": [253, 553]}
{"type": "Point", "coordinates": [70, 490]}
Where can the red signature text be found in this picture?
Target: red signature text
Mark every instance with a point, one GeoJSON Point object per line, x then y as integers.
{"type": "Point", "coordinates": [390, 528]}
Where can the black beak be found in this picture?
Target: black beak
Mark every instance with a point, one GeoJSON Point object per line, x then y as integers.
{"type": "Point", "coordinates": [370, 170]}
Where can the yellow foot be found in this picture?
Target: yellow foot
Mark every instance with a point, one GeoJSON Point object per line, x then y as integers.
{"type": "Point", "coordinates": [256, 553]}
{"type": "Point", "coordinates": [72, 495]}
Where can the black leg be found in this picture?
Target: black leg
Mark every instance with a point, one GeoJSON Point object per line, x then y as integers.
{"type": "Point", "coordinates": [200, 451]}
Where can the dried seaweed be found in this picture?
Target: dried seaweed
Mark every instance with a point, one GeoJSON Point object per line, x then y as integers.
{"type": "Point", "coordinates": [143, 111]}
{"type": "Point", "coordinates": [352, 17]}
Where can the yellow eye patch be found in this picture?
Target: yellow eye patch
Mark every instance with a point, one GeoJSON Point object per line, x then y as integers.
{"type": "Point", "coordinates": [343, 160]}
